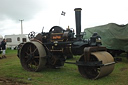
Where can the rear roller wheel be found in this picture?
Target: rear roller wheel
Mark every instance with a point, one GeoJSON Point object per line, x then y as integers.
{"type": "Point", "coordinates": [32, 56]}
{"type": "Point", "coordinates": [95, 72]}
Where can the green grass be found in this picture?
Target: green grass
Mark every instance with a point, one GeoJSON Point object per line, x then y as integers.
{"type": "Point", "coordinates": [67, 75]}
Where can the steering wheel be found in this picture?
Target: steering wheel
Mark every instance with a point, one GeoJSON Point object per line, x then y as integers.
{"type": "Point", "coordinates": [31, 35]}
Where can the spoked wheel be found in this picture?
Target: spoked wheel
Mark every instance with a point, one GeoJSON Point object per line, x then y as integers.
{"type": "Point", "coordinates": [32, 56]}
{"type": "Point", "coordinates": [95, 72]}
{"type": "Point", "coordinates": [31, 35]}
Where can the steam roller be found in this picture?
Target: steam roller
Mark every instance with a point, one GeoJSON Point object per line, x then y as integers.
{"type": "Point", "coordinates": [51, 49]}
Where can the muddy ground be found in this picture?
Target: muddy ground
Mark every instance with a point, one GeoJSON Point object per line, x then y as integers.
{"type": "Point", "coordinates": [7, 81]}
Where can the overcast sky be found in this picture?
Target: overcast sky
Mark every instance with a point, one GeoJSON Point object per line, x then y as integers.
{"type": "Point", "coordinates": [47, 13]}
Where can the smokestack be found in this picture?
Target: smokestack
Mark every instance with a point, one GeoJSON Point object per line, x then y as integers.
{"type": "Point", "coordinates": [78, 22]}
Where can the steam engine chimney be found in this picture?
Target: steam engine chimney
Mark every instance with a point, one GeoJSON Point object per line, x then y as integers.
{"type": "Point", "coordinates": [78, 22]}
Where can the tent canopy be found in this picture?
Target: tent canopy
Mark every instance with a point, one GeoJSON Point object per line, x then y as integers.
{"type": "Point", "coordinates": [113, 36]}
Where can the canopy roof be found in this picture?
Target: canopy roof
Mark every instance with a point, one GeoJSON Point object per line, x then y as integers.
{"type": "Point", "coordinates": [113, 36]}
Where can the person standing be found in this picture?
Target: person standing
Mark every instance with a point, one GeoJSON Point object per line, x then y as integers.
{"type": "Point", "coordinates": [3, 47]}
{"type": "Point", "coordinates": [0, 47]}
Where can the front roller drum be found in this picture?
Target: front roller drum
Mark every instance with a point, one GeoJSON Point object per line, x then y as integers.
{"type": "Point", "coordinates": [32, 56]}
{"type": "Point", "coordinates": [94, 70]}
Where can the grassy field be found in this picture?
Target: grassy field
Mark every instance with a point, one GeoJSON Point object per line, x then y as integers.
{"type": "Point", "coordinates": [12, 72]}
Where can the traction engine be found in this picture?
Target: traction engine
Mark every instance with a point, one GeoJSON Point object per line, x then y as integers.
{"type": "Point", "coordinates": [51, 49]}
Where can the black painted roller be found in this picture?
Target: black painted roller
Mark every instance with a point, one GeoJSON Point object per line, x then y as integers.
{"type": "Point", "coordinates": [95, 72]}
